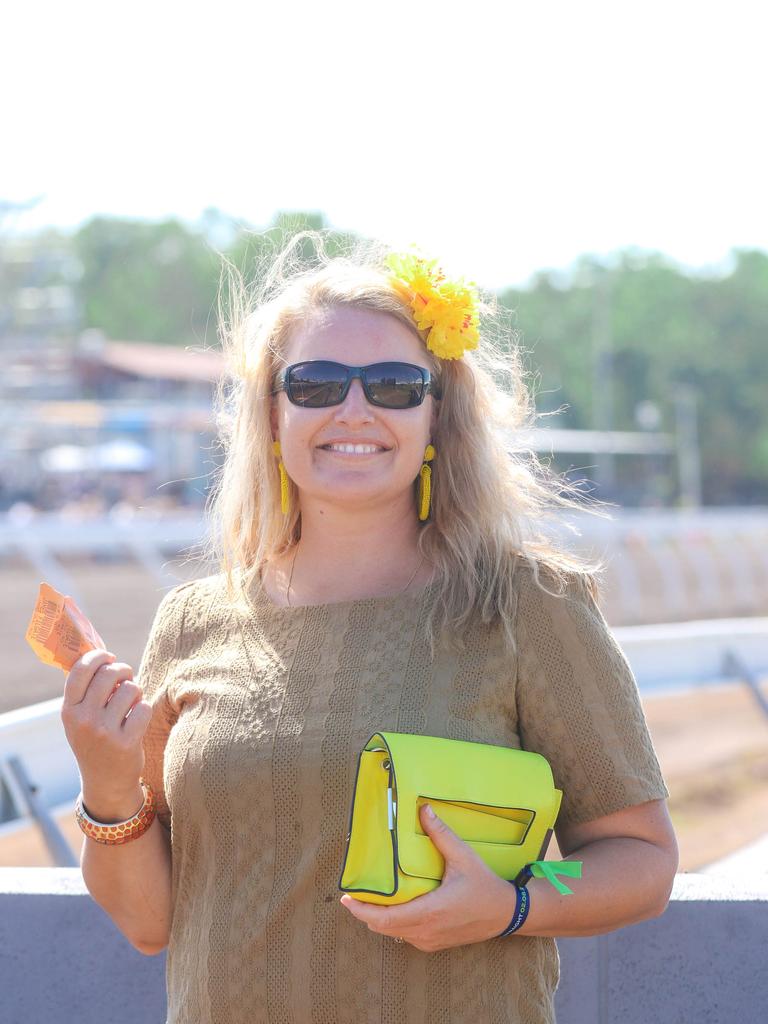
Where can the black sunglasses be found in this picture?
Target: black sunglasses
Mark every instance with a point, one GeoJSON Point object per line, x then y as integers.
{"type": "Point", "coordinates": [319, 383]}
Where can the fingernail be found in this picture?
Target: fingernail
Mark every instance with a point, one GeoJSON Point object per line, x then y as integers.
{"type": "Point", "coordinates": [430, 812]}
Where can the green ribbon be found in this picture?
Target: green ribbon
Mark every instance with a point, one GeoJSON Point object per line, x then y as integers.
{"type": "Point", "coordinates": [549, 869]}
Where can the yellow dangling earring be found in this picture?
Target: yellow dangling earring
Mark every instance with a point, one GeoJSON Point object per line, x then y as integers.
{"type": "Point", "coordinates": [425, 484]}
{"type": "Point", "coordinates": [285, 499]}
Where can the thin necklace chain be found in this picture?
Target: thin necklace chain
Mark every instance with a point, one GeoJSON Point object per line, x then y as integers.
{"type": "Point", "coordinates": [397, 594]}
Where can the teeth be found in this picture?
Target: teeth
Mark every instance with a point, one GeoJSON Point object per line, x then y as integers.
{"type": "Point", "coordinates": [361, 449]}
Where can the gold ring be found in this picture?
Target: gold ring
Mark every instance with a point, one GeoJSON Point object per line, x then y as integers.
{"type": "Point", "coordinates": [399, 939]}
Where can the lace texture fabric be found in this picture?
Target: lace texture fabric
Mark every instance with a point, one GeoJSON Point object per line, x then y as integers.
{"type": "Point", "coordinates": [252, 750]}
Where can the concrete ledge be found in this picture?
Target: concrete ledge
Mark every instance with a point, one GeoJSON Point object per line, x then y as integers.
{"type": "Point", "coordinates": [702, 961]}
{"type": "Point", "coordinates": [63, 960]}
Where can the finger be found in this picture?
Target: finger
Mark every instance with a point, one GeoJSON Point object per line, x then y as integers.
{"type": "Point", "coordinates": [104, 685]}
{"type": "Point", "coordinates": [80, 675]}
{"type": "Point", "coordinates": [370, 913]}
{"type": "Point", "coordinates": [377, 919]}
{"type": "Point", "coordinates": [449, 845]}
{"type": "Point", "coordinates": [388, 920]}
{"type": "Point", "coordinates": [435, 827]}
{"type": "Point", "coordinates": [137, 722]}
{"type": "Point", "coordinates": [122, 700]}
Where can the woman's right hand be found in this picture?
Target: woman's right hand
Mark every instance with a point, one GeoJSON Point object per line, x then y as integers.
{"type": "Point", "coordinates": [98, 694]}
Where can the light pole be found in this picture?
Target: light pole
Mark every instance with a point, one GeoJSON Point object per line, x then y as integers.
{"type": "Point", "coordinates": [687, 440]}
{"type": "Point", "coordinates": [602, 377]}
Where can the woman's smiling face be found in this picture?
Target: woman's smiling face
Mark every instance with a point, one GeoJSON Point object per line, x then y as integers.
{"type": "Point", "coordinates": [355, 337]}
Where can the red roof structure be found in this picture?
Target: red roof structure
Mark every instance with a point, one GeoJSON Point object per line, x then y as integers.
{"type": "Point", "coordinates": [170, 362]}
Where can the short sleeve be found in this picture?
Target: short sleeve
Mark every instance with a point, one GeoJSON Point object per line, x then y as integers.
{"type": "Point", "coordinates": [159, 655]}
{"type": "Point", "coordinates": [578, 703]}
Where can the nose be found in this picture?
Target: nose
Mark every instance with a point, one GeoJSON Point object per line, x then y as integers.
{"type": "Point", "coordinates": [355, 408]}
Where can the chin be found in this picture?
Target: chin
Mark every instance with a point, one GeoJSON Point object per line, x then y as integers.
{"type": "Point", "coordinates": [349, 492]}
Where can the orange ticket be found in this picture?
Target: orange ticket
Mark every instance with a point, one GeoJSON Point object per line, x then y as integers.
{"type": "Point", "coordinates": [58, 631]}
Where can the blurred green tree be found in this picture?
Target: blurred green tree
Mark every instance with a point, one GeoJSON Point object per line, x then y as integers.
{"type": "Point", "coordinates": [599, 339]}
{"type": "Point", "coordinates": [147, 281]}
{"type": "Point", "coordinates": [666, 328]}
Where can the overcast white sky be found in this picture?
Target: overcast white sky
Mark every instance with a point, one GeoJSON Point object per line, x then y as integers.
{"type": "Point", "coordinates": [506, 137]}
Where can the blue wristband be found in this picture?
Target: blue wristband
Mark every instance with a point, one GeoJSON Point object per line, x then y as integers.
{"type": "Point", "coordinates": [522, 906]}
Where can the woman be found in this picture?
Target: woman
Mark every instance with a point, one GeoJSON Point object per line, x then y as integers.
{"type": "Point", "coordinates": [383, 568]}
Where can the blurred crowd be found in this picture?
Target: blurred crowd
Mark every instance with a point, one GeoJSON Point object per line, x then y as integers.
{"type": "Point", "coordinates": [111, 495]}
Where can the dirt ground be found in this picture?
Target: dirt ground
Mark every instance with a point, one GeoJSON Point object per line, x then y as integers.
{"type": "Point", "coordinates": [713, 750]}
{"type": "Point", "coordinates": [712, 743]}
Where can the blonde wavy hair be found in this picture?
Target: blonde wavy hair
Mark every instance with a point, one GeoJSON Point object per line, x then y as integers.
{"type": "Point", "coordinates": [491, 496]}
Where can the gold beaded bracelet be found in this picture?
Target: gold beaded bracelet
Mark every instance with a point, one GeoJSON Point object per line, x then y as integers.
{"type": "Point", "coordinates": [120, 831]}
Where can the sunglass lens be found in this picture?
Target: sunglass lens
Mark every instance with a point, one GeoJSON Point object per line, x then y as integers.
{"type": "Point", "coordinates": [395, 385]}
{"type": "Point", "coordinates": [316, 384]}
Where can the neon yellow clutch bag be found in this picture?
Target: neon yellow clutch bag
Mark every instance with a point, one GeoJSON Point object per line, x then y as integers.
{"type": "Point", "coordinates": [499, 800]}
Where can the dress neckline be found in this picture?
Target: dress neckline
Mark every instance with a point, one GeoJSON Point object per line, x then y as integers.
{"type": "Point", "coordinates": [259, 594]}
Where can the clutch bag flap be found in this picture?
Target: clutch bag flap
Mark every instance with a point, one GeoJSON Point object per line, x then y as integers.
{"type": "Point", "coordinates": [500, 800]}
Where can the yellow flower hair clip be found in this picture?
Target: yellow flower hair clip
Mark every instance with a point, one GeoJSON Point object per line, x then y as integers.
{"type": "Point", "coordinates": [447, 310]}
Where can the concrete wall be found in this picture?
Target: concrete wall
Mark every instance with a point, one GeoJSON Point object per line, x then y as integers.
{"type": "Point", "coordinates": [703, 962]}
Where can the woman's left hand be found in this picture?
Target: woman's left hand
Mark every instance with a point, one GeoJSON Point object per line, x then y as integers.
{"type": "Point", "coordinates": [470, 905]}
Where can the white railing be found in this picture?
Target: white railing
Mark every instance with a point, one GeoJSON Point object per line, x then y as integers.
{"type": "Point", "coordinates": [663, 657]}
{"type": "Point", "coordinates": [685, 564]}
